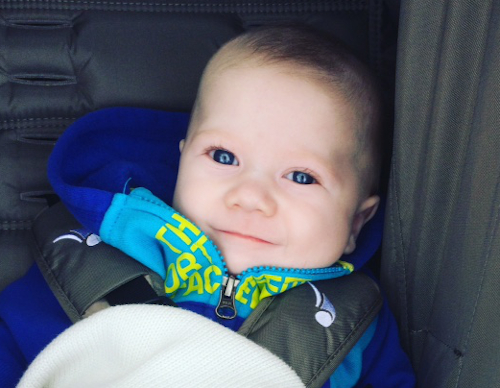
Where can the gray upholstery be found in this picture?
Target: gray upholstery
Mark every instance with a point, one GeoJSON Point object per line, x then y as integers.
{"type": "Point", "coordinates": [441, 257]}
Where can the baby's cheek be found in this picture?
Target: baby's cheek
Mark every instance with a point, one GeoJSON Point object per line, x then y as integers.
{"type": "Point", "coordinates": [182, 201]}
{"type": "Point", "coordinates": [325, 244]}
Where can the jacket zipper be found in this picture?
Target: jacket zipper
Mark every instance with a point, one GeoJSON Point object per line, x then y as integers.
{"type": "Point", "coordinates": [226, 308]}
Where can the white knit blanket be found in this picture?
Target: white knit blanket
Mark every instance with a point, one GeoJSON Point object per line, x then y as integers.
{"type": "Point", "coordinates": [154, 346]}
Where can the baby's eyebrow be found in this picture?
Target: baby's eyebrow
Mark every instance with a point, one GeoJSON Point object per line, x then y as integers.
{"type": "Point", "coordinates": [209, 132]}
{"type": "Point", "coordinates": [330, 160]}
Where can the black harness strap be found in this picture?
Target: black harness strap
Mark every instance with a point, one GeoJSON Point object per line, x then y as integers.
{"type": "Point", "coordinates": [313, 327]}
{"type": "Point", "coordinates": [80, 270]}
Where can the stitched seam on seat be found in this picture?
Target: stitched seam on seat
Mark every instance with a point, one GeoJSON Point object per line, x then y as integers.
{"type": "Point", "coordinates": [455, 350]}
{"type": "Point", "coordinates": [395, 222]}
{"type": "Point", "coordinates": [304, 6]}
{"type": "Point", "coordinates": [15, 225]}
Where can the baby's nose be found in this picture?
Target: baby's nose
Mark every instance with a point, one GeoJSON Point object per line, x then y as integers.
{"type": "Point", "coordinates": [250, 196]}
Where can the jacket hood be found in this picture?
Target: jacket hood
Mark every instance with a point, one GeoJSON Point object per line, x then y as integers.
{"type": "Point", "coordinates": [108, 151]}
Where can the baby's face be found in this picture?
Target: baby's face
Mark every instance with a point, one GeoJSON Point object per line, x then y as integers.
{"type": "Point", "coordinates": [268, 173]}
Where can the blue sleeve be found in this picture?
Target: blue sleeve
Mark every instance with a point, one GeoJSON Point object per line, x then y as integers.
{"type": "Point", "coordinates": [30, 317]}
{"type": "Point", "coordinates": [12, 362]}
{"type": "Point", "coordinates": [385, 364]}
{"type": "Point", "coordinates": [349, 371]}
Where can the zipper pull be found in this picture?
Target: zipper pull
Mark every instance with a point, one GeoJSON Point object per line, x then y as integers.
{"type": "Point", "coordinates": [226, 309]}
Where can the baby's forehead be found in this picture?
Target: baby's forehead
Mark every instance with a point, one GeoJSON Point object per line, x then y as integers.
{"type": "Point", "coordinates": [211, 91]}
{"type": "Point", "coordinates": [308, 74]}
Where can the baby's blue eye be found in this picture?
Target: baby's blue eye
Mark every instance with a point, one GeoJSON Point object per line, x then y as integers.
{"type": "Point", "coordinates": [301, 177]}
{"type": "Point", "coordinates": [224, 157]}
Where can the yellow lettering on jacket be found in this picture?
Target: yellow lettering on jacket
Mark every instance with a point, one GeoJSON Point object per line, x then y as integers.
{"type": "Point", "coordinates": [160, 235]}
{"type": "Point", "coordinates": [186, 273]}
{"type": "Point", "coordinates": [209, 286]}
{"type": "Point", "coordinates": [195, 284]}
{"type": "Point", "coordinates": [185, 264]}
{"type": "Point", "coordinates": [200, 245]}
{"type": "Point", "coordinates": [180, 231]}
{"type": "Point", "coordinates": [172, 281]}
{"type": "Point", "coordinates": [254, 289]}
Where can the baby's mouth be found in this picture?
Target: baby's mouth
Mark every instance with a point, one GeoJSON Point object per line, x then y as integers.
{"type": "Point", "coordinates": [245, 237]}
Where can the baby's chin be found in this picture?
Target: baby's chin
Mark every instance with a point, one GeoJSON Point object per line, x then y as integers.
{"type": "Point", "coordinates": [240, 257]}
{"type": "Point", "coordinates": [236, 268]}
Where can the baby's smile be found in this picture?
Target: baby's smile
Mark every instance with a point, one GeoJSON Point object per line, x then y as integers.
{"type": "Point", "coordinates": [242, 236]}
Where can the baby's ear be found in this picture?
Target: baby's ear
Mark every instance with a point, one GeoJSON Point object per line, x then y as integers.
{"type": "Point", "coordinates": [364, 214]}
{"type": "Point", "coordinates": [181, 144]}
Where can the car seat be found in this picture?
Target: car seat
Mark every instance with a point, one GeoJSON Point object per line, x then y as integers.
{"type": "Point", "coordinates": [62, 59]}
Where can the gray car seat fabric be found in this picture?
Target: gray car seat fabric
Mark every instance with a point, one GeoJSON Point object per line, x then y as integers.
{"type": "Point", "coordinates": [441, 256]}
{"type": "Point", "coordinates": [62, 59]}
